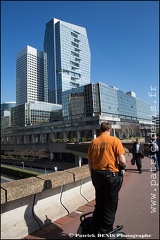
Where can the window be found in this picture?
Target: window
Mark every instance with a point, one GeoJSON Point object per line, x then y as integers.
{"type": "Point", "coordinates": [75, 54]}
{"type": "Point", "coordinates": [74, 34]}
{"type": "Point", "coordinates": [75, 44]}
{"type": "Point", "coordinates": [76, 40]}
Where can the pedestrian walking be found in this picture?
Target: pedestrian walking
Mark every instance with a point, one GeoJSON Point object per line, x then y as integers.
{"type": "Point", "coordinates": [105, 155]}
{"type": "Point", "coordinates": [138, 153]}
{"type": "Point", "coordinates": [154, 150]}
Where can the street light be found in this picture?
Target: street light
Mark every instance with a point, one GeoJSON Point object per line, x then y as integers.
{"type": "Point", "coordinates": [23, 165]}
{"type": "Point", "coordinates": [55, 169]}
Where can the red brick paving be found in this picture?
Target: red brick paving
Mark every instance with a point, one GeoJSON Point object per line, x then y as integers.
{"type": "Point", "coordinates": [91, 204]}
{"type": "Point", "coordinates": [64, 220]}
{"type": "Point", "coordinates": [84, 208]}
{"type": "Point", "coordinates": [49, 228]}
{"type": "Point", "coordinates": [73, 214]}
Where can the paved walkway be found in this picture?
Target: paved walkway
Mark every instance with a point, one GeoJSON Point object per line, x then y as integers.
{"type": "Point", "coordinates": [138, 209]}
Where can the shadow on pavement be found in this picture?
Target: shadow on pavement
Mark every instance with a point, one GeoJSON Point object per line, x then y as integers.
{"type": "Point", "coordinates": [51, 231]}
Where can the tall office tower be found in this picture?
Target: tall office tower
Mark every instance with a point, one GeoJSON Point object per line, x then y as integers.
{"type": "Point", "coordinates": [31, 78]}
{"type": "Point", "coordinates": [68, 58]}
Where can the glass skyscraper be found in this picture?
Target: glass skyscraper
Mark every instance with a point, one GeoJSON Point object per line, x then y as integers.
{"type": "Point", "coordinates": [68, 58]}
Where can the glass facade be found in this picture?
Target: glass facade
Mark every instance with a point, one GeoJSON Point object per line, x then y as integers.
{"type": "Point", "coordinates": [6, 114]}
{"type": "Point", "coordinates": [68, 58]}
{"type": "Point", "coordinates": [31, 76]}
{"type": "Point", "coordinates": [6, 107]}
{"type": "Point", "coordinates": [127, 107]}
{"type": "Point", "coordinates": [78, 102]}
{"type": "Point", "coordinates": [101, 99]}
{"type": "Point", "coordinates": [35, 113]}
{"type": "Point", "coordinates": [143, 110]}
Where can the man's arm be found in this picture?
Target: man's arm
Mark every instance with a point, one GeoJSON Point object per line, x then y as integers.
{"type": "Point", "coordinates": [89, 159]}
{"type": "Point", "coordinates": [142, 150]}
{"type": "Point", "coordinates": [133, 147]}
{"type": "Point", "coordinates": [122, 164]}
{"type": "Point", "coordinates": [90, 166]}
{"type": "Point", "coordinates": [122, 160]}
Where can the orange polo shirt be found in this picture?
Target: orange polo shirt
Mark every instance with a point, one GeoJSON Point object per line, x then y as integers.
{"type": "Point", "coordinates": [103, 151]}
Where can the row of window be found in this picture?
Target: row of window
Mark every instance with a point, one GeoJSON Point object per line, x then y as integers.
{"type": "Point", "coordinates": [75, 44]}
{"type": "Point", "coordinates": [74, 54]}
{"type": "Point", "coordinates": [74, 64]}
{"type": "Point", "coordinates": [74, 35]}
{"type": "Point", "coordinates": [74, 84]}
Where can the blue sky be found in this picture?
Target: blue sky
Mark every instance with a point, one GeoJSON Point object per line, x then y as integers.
{"type": "Point", "coordinates": [123, 38]}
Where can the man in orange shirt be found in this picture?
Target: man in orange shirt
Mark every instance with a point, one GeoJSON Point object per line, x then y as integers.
{"type": "Point", "coordinates": [105, 157]}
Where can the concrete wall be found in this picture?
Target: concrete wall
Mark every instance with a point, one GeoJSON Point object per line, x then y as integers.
{"type": "Point", "coordinates": [51, 147]}
{"type": "Point", "coordinates": [77, 149]}
{"type": "Point", "coordinates": [82, 148]}
{"type": "Point", "coordinates": [29, 204]}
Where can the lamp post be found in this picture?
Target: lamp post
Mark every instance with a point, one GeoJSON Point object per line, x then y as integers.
{"type": "Point", "coordinates": [55, 169]}
{"type": "Point", "coordinates": [23, 165]}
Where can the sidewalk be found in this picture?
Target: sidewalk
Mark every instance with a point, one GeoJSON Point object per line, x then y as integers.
{"type": "Point", "coordinates": [138, 209]}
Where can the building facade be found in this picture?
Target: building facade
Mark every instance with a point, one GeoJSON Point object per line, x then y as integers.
{"type": "Point", "coordinates": [6, 108]}
{"type": "Point", "coordinates": [84, 108]}
{"type": "Point", "coordinates": [35, 113]}
{"type": "Point", "coordinates": [68, 58]}
{"type": "Point", "coordinates": [98, 99]}
{"type": "Point", "coordinates": [6, 114]}
{"type": "Point", "coordinates": [31, 76]}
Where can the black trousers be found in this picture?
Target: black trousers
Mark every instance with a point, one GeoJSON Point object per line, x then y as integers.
{"type": "Point", "coordinates": [106, 190]}
{"type": "Point", "coordinates": [138, 159]}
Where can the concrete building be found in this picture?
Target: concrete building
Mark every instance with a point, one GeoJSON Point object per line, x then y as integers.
{"type": "Point", "coordinates": [97, 99]}
{"type": "Point", "coordinates": [31, 76]}
{"type": "Point", "coordinates": [6, 108]}
{"type": "Point", "coordinates": [35, 113]}
{"type": "Point", "coordinates": [68, 58]}
{"type": "Point", "coordinates": [6, 114]}
{"type": "Point", "coordinates": [83, 108]}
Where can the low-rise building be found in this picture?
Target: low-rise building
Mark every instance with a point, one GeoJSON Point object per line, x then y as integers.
{"type": "Point", "coordinates": [35, 113]}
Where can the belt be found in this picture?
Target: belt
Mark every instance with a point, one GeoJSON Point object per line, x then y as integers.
{"type": "Point", "coordinates": [111, 174]}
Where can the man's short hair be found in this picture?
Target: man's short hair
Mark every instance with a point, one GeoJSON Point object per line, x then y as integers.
{"type": "Point", "coordinates": [105, 126]}
{"type": "Point", "coordinates": [154, 135]}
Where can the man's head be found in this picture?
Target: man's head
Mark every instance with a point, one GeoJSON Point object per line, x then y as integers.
{"type": "Point", "coordinates": [106, 127]}
{"type": "Point", "coordinates": [154, 137]}
{"type": "Point", "coordinates": [138, 140]}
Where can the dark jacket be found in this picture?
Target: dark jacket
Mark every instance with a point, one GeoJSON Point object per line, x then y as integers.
{"type": "Point", "coordinates": [141, 149]}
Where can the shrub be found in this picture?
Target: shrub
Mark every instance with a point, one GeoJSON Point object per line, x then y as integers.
{"type": "Point", "coordinates": [20, 173]}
